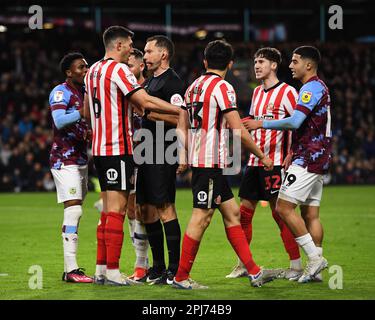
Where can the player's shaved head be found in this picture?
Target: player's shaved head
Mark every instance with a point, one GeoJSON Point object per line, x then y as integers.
{"type": "Point", "coordinates": [309, 52]}
{"type": "Point", "coordinates": [67, 60]}
{"type": "Point", "coordinates": [136, 64]}
{"type": "Point", "coordinates": [165, 43]}
{"type": "Point", "coordinates": [115, 32]}
{"type": "Point", "coordinates": [138, 54]}
{"type": "Point", "coordinates": [218, 54]}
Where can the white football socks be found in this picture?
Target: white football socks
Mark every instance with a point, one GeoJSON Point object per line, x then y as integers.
{"type": "Point", "coordinates": [100, 270]}
{"type": "Point", "coordinates": [70, 237]}
{"type": "Point", "coordinates": [320, 251]}
{"type": "Point", "coordinates": [113, 275]}
{"type": "Point", "coordinates": [296, 264]}
{"type": "Point", "coordinates": [141, 245]}
{"type": "Point", "coordinates": [131, 229]}
{"type": "Point", "coordinates": [308, 246]}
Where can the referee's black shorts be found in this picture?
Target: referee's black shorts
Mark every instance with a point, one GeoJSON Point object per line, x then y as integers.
{"type": "Point", "coordinates": [156, 184]}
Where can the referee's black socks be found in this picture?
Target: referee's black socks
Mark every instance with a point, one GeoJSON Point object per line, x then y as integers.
{"type": "Point", "coordinates": [173, 236]}
{"type": "Point", "coordinates": [156, 239]}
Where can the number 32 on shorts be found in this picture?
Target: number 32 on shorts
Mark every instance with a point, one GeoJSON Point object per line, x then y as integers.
{"type": "Point", "coordinates": [272, 182]}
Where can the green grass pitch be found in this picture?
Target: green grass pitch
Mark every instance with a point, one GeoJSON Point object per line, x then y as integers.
{"type": "Point", "coordinates": [30, 234]}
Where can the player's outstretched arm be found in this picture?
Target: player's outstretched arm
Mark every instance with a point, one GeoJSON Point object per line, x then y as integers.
{"type": "Point", "coordinates": [290, 123]}
{"type": "Point", "coordinates": [138, 111]}
{"type": "Point", "coordinates": [182, 135]}
{"type": "Point", "coordinates": [144, 101]}
{"type": "Point", "coordinates": [182, 130]}
{"type": "Point", "coordinates": [170, 119]}
{"type": "Point", "coordinates": [234, 121]}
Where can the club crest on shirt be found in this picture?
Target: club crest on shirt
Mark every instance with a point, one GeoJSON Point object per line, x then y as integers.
{"type": "Point", "coordinates": [58, 96]}
{"type": "Point", "coordinates": [270, 107]}
{"type": "Point", "coordinates": [306, 96]}
{"type": "Point", "coordinates": [269, 112]}
{"type": "Point", "coordinates": [72, 190]}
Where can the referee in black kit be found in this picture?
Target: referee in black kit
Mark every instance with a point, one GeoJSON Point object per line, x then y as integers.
{"type": "Point", "coordinates": [156, 183]}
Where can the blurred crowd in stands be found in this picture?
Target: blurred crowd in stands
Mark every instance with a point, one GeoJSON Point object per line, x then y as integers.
{"type": "Point", "coordinates": [29, 69]}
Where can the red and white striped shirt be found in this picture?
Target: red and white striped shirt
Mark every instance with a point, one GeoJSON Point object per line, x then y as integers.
{"type": "Point", "coordinates": [108, 85]}
{"type": "Point", "coordinates": [206, 100]}
{"type": "Point", "coordinates": [276, 103]}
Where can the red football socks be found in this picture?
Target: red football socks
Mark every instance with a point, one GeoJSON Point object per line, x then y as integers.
{"type": "Point", "coordinates": [290, 243]}
{"type": "Point", "coordinates": [237, 239]}
{"type": "Point", "coordinates": [101, 252]}
{"type": "Point", "coordinates": [246, 222]}
{"type": "Point", "coordinates": [114, 236]}
{"type": "Point", "coordinates": [188, 253]}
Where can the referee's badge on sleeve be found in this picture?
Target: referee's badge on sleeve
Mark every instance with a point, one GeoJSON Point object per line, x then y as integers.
{"type": "Point", "coordinates": [177, 100]}
{"type": "Point", "coordinates": [306, 96]}
{"type": "Point", "coordinates": [58, 96]}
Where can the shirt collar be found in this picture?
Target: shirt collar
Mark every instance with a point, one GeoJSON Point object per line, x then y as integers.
{"type": "Point", "coordinates": [211, 73]}
{"type": "Point", "coordinates": [273, 87]}
{"type": "Point", "coordinates": [312, 79]}
{"type": "Point", "coordinates": [73, 89]}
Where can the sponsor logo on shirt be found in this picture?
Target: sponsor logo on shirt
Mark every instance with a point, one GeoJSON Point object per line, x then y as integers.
{"type": "Point", "coordinates": [264, 117]}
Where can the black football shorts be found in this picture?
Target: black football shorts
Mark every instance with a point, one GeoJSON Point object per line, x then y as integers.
{"type": "Point", "coordinates": [210, 188]}
{"type": "Point", "coordinates": [115, 172]}
{"type": "Point", "coordinates": [156, 184]}
{"type": "Point", "coordinates": [259, 184]}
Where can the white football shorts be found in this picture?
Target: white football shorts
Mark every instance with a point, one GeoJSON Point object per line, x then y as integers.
{"type": "Point", "coordinates": [302, 187]}
{"type": "Point", "coordinates": [71, 182]}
